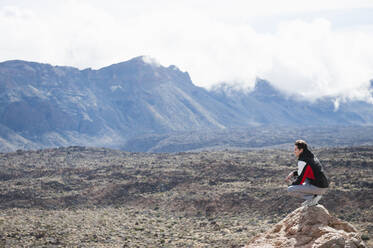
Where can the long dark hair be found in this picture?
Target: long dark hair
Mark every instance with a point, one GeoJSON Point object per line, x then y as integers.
{"type": "Point", "coordinates": [301, 144]}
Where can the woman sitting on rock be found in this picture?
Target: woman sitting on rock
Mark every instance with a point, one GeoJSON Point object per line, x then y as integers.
{"type": "Point", "coordinates": [310, 183]}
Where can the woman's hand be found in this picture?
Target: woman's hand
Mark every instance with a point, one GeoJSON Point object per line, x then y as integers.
{"type": "Point", "coordinates": [287, 179]}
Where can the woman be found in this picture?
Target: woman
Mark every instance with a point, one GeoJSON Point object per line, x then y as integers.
{"type": "Point", "coordinates": [311, 182]}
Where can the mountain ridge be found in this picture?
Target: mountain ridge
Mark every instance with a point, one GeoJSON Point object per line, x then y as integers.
{"type": "Point", "coordinates": [59, 105]}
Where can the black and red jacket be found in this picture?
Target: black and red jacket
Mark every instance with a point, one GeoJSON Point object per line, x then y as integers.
{"type": "Point", "coordinates": [309, 167]}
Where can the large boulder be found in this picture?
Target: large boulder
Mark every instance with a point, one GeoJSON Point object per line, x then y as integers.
{"type": "Point", "coordinates": [309, 227]}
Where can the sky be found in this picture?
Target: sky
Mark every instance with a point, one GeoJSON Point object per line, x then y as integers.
{"type": "Point", "coordinates": [306, 48]}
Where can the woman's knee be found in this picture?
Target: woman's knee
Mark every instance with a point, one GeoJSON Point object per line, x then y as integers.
{"type": "Point", "coordinates": [291, 190]}
{"type": "Point", "coordinates": [295, 190]}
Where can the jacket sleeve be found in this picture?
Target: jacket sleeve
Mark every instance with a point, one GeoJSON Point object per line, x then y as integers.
{"type": "Point", "coordinates": [300, 172]}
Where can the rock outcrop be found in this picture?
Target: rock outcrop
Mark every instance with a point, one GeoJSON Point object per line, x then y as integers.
{"type": "Point", "coordinates": [309, 227]}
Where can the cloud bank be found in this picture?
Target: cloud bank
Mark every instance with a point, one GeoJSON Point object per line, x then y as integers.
{"type": "Point", "coordinates": [312, 57]}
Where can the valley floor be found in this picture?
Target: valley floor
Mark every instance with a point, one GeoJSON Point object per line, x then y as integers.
{"type": "Point", "coordinates": [95, 197]}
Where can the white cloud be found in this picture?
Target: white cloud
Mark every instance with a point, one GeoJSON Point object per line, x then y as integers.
{"type": "Point", "coordinates": [151, 61]}
{"type": "Point", "coordinates": [214, 42]}
{"type": "Point", "coordinates": [312, 59]}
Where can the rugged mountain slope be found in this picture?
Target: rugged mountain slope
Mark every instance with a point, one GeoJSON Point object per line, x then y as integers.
{"type": "Point", "coordinates": [267, 105]}
{"type": "Point", "coordinates": [44, 105]}
{"type": "Point", "coordinates": [53, 106]}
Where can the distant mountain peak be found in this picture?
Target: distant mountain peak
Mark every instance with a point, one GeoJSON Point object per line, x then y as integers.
{"type": "Point", "coordinates": [263, 87]}
{"type": "Point", "coordinates": [148, 60]}
{"type": "Point", "coordinates": [145, 60]}
{"type": "Point", "coordinates": [151, 61]}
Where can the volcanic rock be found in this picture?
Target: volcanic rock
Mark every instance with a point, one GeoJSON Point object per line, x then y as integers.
{"type": "Point", "coordinates": [309, 227]}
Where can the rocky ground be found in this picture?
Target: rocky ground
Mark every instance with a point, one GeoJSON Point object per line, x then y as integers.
{"type": "Point", "coordinates": [95, 197]}
{"type": "Point", "coordinates": [124, 227]}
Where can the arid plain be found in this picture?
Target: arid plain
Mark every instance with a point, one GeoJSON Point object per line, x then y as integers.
{"type": "Point", "coordinates": [96, 197]}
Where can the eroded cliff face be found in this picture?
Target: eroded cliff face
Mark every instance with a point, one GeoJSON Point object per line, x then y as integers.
{"type": "Point", "coordinates": [309, 227]}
